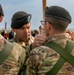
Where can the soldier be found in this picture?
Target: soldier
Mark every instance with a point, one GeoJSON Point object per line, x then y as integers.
{"type": "Point", "coordinates": [12, 56]}
{"type": "Point", "coordinates": [22, 27]}
{"type": "Point", "coordinates": [45, 60]}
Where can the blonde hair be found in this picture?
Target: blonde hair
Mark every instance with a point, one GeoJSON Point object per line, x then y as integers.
{"type": "Point", "coordinates": [71, 33]}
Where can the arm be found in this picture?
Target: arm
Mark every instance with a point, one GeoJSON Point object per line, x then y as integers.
{"type": "Point", "coordinates": [35, 61]}
{"type": "Point", "coordinates": [39, 40]}
{"type": "Point", "coordinates": [15, 60]}
{"type": "Point", "coordinates": [31, 64]}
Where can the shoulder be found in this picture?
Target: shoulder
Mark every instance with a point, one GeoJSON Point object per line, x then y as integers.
{"type": "Point", "coordinates": [18, 49]}
{"type": "Point", "coordinates": [37, 56]}
{"type": "Point", "coordinates": [42, 52]}
{"type": "Point", "coordinates": [40, 49]}
{"type": "Point", "coordinates": [38, 52]}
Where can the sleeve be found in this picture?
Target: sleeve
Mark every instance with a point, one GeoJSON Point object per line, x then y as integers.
{"type": "Point", "coordinates": [34, 62]}
{"type": "Point", "coordinates": [14, 60]}
{"type": "Point", "coordinates": [31, 64]}
{"type": "Point", "coordinates": [4, 44]}
{"type": "Point", "coordinates": [20, 53]}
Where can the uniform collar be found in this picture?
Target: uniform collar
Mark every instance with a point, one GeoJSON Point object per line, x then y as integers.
{"type": "Point", "coordinates": [58, 37]}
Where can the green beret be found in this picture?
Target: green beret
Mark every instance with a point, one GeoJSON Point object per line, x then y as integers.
{"type": "Point", "coordinates": [58, 12]}
{"type": "Point", "coordinates": [1, 11]}
{"type": "Point", "coordinates": [19, 19]}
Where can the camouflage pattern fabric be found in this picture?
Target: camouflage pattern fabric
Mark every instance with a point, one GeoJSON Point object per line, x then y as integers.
{"type": "Point", "coordinates": [26, 45]}
{"type": "Point", "coordinates": [14, 61]}
{"type": "Point", "coordinates": [42, 59]}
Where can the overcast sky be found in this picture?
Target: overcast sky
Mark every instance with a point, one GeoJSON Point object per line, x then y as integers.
{"type": "Point", "coordinates": [33, 7]}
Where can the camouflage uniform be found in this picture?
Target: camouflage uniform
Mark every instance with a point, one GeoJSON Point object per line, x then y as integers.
{"type": "Point", "coordinates": [26, 45]}
{"type": "Point", "coordinates": [15, 59]}
{"type": "Point", "coordinates": [42, 59]}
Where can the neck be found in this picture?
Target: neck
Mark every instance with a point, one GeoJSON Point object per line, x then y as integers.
{"type": "Point", "coordinates": [53, 32]}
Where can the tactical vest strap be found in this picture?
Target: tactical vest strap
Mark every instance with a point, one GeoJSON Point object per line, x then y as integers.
{"type": "Point", "coordinates": [5, 52]}
{"type": "Point", "coordinates": [65, 56]}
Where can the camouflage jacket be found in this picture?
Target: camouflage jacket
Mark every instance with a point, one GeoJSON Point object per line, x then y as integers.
{"type": "Point", "coordinates": [23, 44]}
{"type": "Point", "coordinates": [15, 60]}
{"type": "Point", "coordinates": [42, 59]}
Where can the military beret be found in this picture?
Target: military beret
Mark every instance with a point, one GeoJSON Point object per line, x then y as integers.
{"type": "Point", "coordinates": [1, 11]}
{"type": "Point", "coordinates": [19, 19]}
{"type": "Point", "coordinates": [58, 12]}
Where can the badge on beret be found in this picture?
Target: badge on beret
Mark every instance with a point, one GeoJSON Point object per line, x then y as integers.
{"type": "Point", "coordinates": [29, 18]}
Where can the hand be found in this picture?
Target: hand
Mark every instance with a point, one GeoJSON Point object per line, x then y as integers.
{"type": "Point", "coordinates": [39, 40]}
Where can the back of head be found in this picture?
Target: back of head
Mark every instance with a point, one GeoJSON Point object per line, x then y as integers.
{"type": "Point", "coordinates": [1, 11]}
{"type": "Point", "coordinates": [58, 12]}
{"type": "Point", "coordinates": [19, 19]}
{"type": "Point", "coordinates": [60, 17]}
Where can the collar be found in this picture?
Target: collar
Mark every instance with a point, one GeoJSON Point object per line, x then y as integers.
{"type": "Point", "coordinates": [58, 37]}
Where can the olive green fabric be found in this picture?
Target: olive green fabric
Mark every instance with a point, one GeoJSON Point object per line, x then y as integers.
{"type": "Point", "coordinates": [65, 56]}
{"type": "Point", "coordinates": [5, 52]}
{"type": "Point", "coordinates": [42, 59]}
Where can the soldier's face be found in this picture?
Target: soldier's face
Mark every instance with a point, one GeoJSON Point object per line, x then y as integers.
{"type": "Point", "coordinates": [24, 32]}
{"type": "Point", "coordinates": [1, 18]}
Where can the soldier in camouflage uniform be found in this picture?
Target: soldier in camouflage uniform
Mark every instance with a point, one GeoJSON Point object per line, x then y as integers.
{"type": "Point", "coordinates": [11, 63]}
{"type": "Point", "coordinates": [22, 27]}
{"type": "Point", "coordinates": [15, 60]}
{"type": "Point", "coordinates": [42, 59]}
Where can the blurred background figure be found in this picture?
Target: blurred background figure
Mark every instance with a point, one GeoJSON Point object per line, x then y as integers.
{"type": "Point", "coordinates": [11, 34]}
{"type": "Point", "coordinates": [4, 33]}
{"type": "Point", "coordinates": [41, 29]}
{"type": "Point", "coordinates": [70, 34]}
{"type": "Point", "coordinates": [34, 32]}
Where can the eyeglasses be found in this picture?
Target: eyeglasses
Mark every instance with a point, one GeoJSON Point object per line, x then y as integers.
{"type": "Point", "coordinates": [43, 22]}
